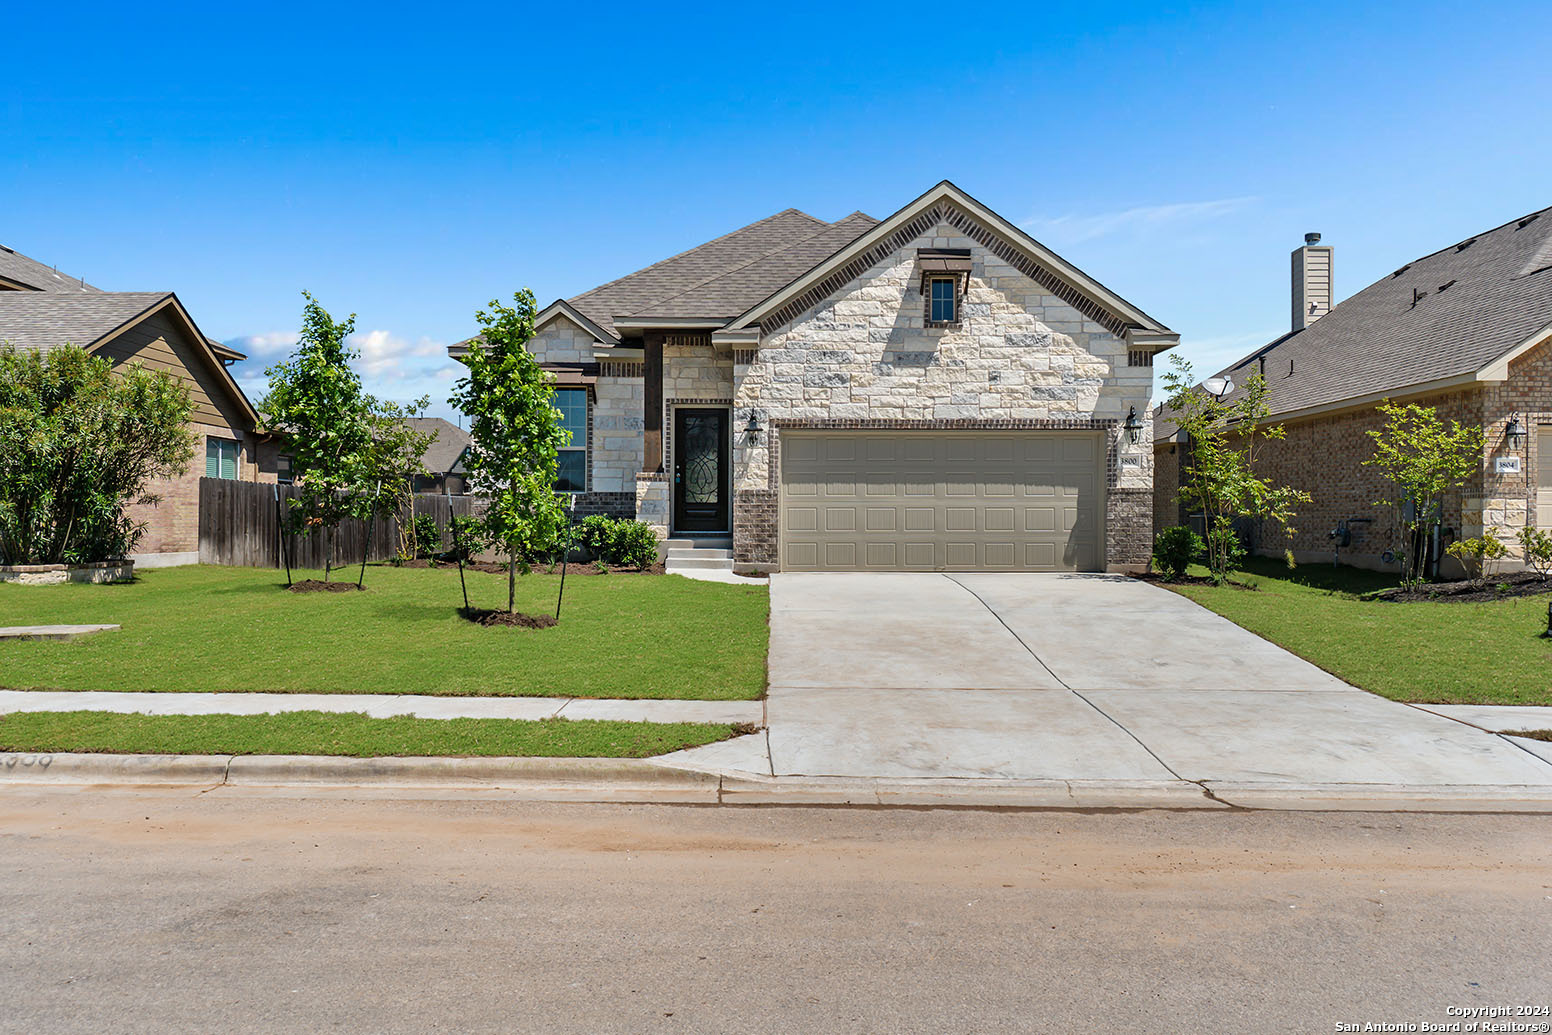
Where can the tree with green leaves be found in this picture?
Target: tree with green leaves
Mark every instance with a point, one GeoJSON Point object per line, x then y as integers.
{"type": "Point", "coordinates": [1218, 475]}
{"type": "Point", "coordinates": [315, 399]}
{"type": "Point", "coordinates": [80, 443]}
{"type": "Point", "coordinates": [1422, 459]}
{"type": "Point", "coordinates": [515, 431]}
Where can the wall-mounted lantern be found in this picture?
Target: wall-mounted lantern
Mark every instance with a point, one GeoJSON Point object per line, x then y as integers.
{"type": "Point", "coordinates": [1133, 426]}
{"type": "Point", "coordinates": [1515, 432]}
{"type": "Point", "coordinates": [752, 429]}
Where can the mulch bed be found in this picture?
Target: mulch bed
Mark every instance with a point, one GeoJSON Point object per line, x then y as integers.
{"type": "Point", "coordinates": [574, 568]}
{"type": "Point", "coordinates": [1188, 580]}
{"type": "Point", "coordinates": [485, 617]}
{"type": "Point", "coordinates": [1514, 584]}
{"type": "Point", "coordinates": [320, 586]}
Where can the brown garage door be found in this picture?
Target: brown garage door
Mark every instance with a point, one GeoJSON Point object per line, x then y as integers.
{"type": "Point", "coordinates": [949, 501]}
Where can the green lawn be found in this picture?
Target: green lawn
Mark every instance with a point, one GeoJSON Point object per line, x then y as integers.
{"type": "Point", "coordinates": [235, 629]}
{"type": "Point", "coordinates": [1426, 652]}
{"type": "Point", "coordinates": [331, 733]}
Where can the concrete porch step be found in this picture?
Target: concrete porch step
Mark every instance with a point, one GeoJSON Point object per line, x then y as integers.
{"type": "Point", "coordinates": [714, 542]}
{"type": "Point", "coordinates": [681, 559]}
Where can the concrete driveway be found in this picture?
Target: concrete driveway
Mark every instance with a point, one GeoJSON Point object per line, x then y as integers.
{"type": "Point", "coordinates": [1080, 677]}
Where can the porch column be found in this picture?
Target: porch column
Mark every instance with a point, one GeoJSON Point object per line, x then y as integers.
{"type": "Point", "coordinates": [652, 401]}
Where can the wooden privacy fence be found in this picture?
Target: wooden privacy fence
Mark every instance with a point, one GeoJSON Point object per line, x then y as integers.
{"type": "Point", "coordinates": [239, 523]}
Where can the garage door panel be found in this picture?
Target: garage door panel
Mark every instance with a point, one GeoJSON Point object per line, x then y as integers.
{"type": "Point", "coordinates": [882, 501]}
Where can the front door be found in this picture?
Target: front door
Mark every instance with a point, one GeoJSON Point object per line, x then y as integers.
{"type": "Point", "coordinates": [701, 470]}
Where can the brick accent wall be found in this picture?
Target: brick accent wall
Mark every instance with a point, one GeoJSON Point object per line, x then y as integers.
{"type": "Point", "coordinates": [1166, 486]}
{"type": "Point", "coordinates": [609, 504]}
{"type": "Point", "coordinates": [1128, 529]}
{"type": "Point", "coordinates": [756, 544]}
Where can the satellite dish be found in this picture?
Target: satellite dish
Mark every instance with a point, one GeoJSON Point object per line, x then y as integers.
{"type": "Point", "coordinates": [1218, 387]}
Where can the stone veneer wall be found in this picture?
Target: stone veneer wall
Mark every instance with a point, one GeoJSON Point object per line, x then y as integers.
{"type": "Point", "coordinates": [1020, 356]}
{"type": "Point", "coordinates": [615, 452]}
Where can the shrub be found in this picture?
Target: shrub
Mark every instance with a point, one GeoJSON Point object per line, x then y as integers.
{"type": "Point", "coordinates": [428, 537]}
{"type": "Point", "coordinates": [1175, 548]}
{"type": "Point", "coordinates": [1479, 555]}
{"type": "Point", "coordinates": [635, 544]}
{"type": "Point", "coordinates": [464, 534]}
{"type": "Point", "coordinates": [80, 443]}
{"type": "Point", "coordinates": [595, 534]}
{"type": "Point", "coordinates": [1537, 546]}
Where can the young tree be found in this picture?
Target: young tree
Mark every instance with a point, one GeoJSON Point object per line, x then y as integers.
{"type": "Point", "coordinates": [392, 458]}
{"type": "Point", "coordinates": [315, 399]}
{"type": "Point", "coordinates": [516, 431]}
{"type": "Point", "coordinates": [1422, 459]}
{"type": "Point", "coordinates": [79, 443]}
{"type": "Point", "coordinates": [1219, 477]}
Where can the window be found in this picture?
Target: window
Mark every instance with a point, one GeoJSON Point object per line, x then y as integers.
{"type": "Point", "coordinates": [941, 308]}
{"type": "Point", "coordinates": [284, 474]}
{"type": "Point", "coordinates": [572, 471]}
{"type": "Point", "coordinates": [220, 458]}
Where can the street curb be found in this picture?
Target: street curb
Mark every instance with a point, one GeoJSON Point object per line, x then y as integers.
{"type": "Point", "coordinates": [625, 780]}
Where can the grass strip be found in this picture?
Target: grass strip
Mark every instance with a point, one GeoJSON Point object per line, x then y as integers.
{"type": "Point", "coordinates": [1424, 652]}
{"type": "Point", "coordinates": [354, 734]}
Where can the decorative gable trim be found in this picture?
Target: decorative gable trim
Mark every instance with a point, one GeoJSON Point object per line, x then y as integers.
{"type": "Point", "coordinates": [947, 204]}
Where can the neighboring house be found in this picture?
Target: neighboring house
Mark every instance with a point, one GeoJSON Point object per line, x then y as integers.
{"type": "Point", "coordinates": [443, 457]}
{"type": "Point", "coordinates": [931, 391]}
{"type": "Point", "coordinates": [1467, 329]}
{"type": "Point", "coordinates": [41, 309]}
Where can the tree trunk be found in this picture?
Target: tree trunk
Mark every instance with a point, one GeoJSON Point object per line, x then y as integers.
{"type": "Point", "coordinates": [511, 582]}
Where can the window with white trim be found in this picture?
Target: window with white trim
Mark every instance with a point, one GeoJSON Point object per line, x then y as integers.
{"type": "Point", "coordinates": [221, 458]}
{"type": "Point", "coordinates": [572, 468]}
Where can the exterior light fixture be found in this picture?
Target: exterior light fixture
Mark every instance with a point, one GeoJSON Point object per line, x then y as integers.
{"type": "Point", "coordinates": [1515, 432]}
{"type": "Point", "coordinates": [752, 429]}
{"type": "Point", "coordinates": [1133, 426]}
{"type": "Point", "coordinates": [1218, 387]}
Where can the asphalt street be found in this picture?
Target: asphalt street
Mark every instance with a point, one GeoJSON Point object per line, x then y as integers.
{"type": "Point", "coordinates": [166, 911]}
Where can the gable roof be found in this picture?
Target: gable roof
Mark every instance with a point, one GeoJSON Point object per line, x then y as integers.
{"type": "Point", "coordinates": [44, 320]}
{"type": "Point", "coordinates": [442, 455]}
{"type": "Point", "coordinates": [1457, 315]}
{"type": "Point", "coordinates": [945, 202]}
{"type": "Point", "coordinates": [19, 272]}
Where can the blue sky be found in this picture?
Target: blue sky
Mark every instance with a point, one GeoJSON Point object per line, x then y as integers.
{"type": "Point", "coordinates": [410, 168]}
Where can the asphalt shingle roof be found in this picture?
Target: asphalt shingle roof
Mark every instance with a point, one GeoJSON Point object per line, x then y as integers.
{"type": "Point", "coordinates": [450, 443]}
{"type": "Point", "coordinates": [23, 270]}
{"type": "Point", "coordinates": [49, 319]}
{"type": "Point", "coordinates": [1444, 315]}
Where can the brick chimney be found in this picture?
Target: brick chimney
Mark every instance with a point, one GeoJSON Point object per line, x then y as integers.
{"type": "Point", "coordinates": [1311, 282]}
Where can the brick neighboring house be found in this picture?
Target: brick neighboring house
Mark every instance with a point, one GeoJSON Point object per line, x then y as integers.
{"type": "Point", "coordinates": [1467, 329]}
{"type": "Point", "coordinates": [42, 309]}
{"type": "Point", "coordinates": [931, 391]}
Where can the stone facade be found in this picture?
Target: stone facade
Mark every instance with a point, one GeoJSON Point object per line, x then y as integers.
{"type": "Point", "coordinates": [1022, 356]}
{"type": "Point", "coordinates": [1019, 357]}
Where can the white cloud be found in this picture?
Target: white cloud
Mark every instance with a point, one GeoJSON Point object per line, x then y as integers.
{"type": "Point", "coordinates": [1073, 228]}
{"type": "Point", "coordinates": [391, 367]}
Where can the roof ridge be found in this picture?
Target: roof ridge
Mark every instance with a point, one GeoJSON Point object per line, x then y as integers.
{"type": "Point", "coordinates": [1473, 238]}
{"type": "Point", "coordinates": [823, 228]}
{"type": "Point", "coordinates": [679, 255]}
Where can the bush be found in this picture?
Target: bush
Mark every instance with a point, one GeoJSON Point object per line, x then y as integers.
{"type": "Point", "coordinates": [624, 543]}
{"type": "Point", "coordinates": [635, 544]}
{"type": "Point", "coordinates": [1175, 548]}
{"type": "Point", "coordinates": [428, 537]}
{"type": "Point", "coordinates": [1479, 555]}
{"type": "Point", "coordinates": [1537, 546]}
{"type": "Point", "coordinates": [79, 443]}
{"type": "Point", "coordinates": [464, 534]}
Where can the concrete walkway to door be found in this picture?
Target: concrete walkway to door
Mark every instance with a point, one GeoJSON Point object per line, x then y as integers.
{"type": "Point", "coordinates": [1030, 677]}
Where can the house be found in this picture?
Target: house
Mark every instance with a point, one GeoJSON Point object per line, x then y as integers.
{"type": "Point", "coordinates": [1466, 329]}
{"type": "Point", "coordinates": [935, 390]}
{"type": "Point", "coordinates": [443, 458]}
{"type": "Point", "coordinates": [43, 309]}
